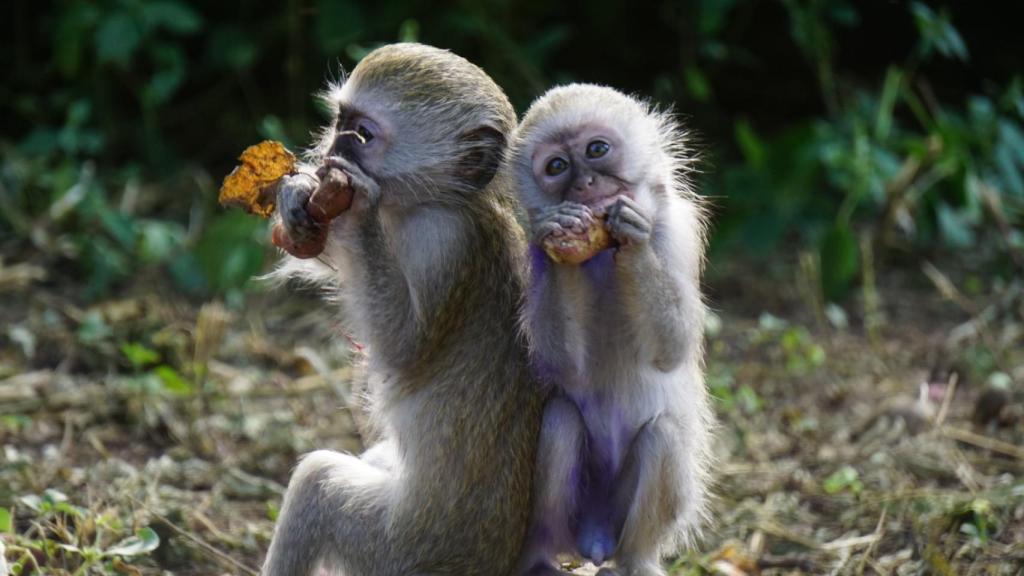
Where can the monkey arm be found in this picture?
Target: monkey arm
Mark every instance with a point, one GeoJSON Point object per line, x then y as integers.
{"type": "Point", "coordinates": [665, 306]}
{"type": "Point", "coordinates": [659, 284]}
{"type": "Point", "coordinates": [544, 305]}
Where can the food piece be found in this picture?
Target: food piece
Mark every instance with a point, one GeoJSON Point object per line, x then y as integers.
{"type": "Point", "coordinates": [311, 248]}
{"type": "Point", "coordinates": [251, 184]}
{"type": "Point", "coordinates": [578, 248]}
{"type": "Point", "coordinates": [332, 197]}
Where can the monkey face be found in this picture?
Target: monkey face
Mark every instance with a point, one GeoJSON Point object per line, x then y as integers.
{"type": "Point", "coordinates": [582, 165]}
{"type": "Point", "coordinates": [362, 138]}
{"type": "Point", "coordinates": [588, 145]}
{"type": "Point", "coordinates": [423, 123]}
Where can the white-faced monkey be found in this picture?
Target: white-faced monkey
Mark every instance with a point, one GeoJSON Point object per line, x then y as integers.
{"type": "Point", "coordinates": [625, 445]}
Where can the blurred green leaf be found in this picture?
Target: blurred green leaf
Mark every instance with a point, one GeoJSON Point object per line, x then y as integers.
{"type": "Point", "coordinates": [177, 17]}
{"type": "Point", "coordinates": [6, 521]}
{"type": "Point", "coordinates": [144, 541]}
{"type": "Point", "coordinates": [139, 355]}
{"type": "Point", "coordinates": [955, 230]}
{"type": "Point", "coordinates": [158, 240]}
{"type": "Point", "coordinates": [117, 38]}
{"type": "Point", "coordinates": [93, 328]}
{"type": "Point", "coordinates": [231, 250]}
{"type": "Point", "coordinates": [749, 143]}
{"type": "Point", "coordinates": [839, 256]}
{"type": "Point", "coordinates": [338, 24]}
{"type": "Point", "coordinates": [748, 400]}
{"type": "Point", "coordinates": [409, 31]}
{"type": "Point", "coordinates": [697, 84]}
{"type": "Point", "coordinates": [938, 32]}
{"type": "Point", "coordinates": [69, 36]}
{"type": "Point", "coordinates": [845, 478]}
{"type": "Point", "coordinates": [172, 381]}
{"type": "Point", "coordinates": [170, 73]}
{"type": "Point", "coordinates": [230, 47]}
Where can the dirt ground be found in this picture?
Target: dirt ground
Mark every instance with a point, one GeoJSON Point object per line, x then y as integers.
{"type": "Point", "coordinates": [883, 437]}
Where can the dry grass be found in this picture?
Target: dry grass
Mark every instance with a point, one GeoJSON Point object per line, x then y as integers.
{"type": "Point", "coordinates": [840, 454]}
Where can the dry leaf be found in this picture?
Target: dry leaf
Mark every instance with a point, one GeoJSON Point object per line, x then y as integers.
{"type": "Point", "coordinates": [250, 185]}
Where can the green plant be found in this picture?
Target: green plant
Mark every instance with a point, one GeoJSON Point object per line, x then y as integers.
{"type": "Point", "coordinates": [71, 538]}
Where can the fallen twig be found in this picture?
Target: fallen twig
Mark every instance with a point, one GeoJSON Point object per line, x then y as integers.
{"type": "Point", "coordinates": [89, 396]}
{"type": "Point", "coordinates": [203, 545]}
{"type": "Point", "coordinates": [993, 444]}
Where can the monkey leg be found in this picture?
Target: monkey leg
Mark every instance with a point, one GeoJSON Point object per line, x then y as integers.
{"type": "Point", "coordinates": [648, 498]}
{"type": "Point", "coordinates": [597, 529]}
{"type": "Point", "coordinates": [333, 515]}
{"type": "Point", "coordinates": [556, 491]}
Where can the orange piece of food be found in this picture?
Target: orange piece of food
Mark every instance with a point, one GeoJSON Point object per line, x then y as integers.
{"type": "Point", "coordinates": [578, 248]}
{"type": "Point", "coordinates": [251, 184]}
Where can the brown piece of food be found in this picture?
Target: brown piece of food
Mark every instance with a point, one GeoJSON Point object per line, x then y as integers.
{"type": "Point", "coordinates": [578, 248]}
{"type": "Point", "coordinates": [311, 248]}
{"type": "Point", "coordinates": [332, 197]}
{"type": "Point", "coordinates": [250, 185]}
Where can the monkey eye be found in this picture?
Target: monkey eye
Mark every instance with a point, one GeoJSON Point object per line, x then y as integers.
{"type": "Point", "coordinates": [597, 148]}
{"type": "Point", "coordinates": [364, 134]}
{"type": "Point", "coordinates": [556, 166]}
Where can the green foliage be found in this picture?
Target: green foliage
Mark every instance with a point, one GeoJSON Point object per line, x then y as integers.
{"type": "Point", "coordinates": [6, 521]}
{"type": "Point", "coordinates": [977, 519]}
{"type": "Point", "coordinates": [845, 478]}
{"type": "Point", "coordinates": [71, 539]}
{"type": "Point", "coordinates": [793, 345]}
{"type": "Point", "coordinates": [128, 113]}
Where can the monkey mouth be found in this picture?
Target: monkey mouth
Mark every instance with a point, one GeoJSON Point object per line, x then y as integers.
{"type": "Point", "coordinates": [599, 205]}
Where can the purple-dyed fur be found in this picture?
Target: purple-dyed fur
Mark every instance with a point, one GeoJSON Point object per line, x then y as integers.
{"type": "Point", "coordinates": [593, 476]}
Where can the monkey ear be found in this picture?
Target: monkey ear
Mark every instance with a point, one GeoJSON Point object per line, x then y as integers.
{"type": "Point", "coordinates": [484, 148]}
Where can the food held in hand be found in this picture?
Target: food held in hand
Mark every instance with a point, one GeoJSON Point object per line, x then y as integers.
{"type": "Point", "coordinates": [332, 197]}
{"type": "Point", "coordinates": [310, 247]}
{"type": "Point", "coordinates": [578, 248]}
{"type": "Point", "coordinates": [251, 184]}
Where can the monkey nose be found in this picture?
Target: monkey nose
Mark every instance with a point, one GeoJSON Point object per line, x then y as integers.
{"type": "Point", "coordinates": [584, 182]}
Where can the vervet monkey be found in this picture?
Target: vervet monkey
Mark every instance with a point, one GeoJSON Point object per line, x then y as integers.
{"type": "Point", "coordinates": [429, 265]}
{"type": "Point", "coordinates": [624, 454]}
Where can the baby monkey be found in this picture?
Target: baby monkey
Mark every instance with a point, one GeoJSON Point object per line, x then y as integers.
{"type": "Point", "coordinates": [624, 454]}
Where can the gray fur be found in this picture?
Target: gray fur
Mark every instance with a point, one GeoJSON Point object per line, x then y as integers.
{"type": "Point", "coordinates": [427, 265]}
{"type": "Point", "coordinates": [631, 343]}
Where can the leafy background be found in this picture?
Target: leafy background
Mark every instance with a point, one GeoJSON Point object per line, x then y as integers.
{"type": "Point", "coordinates": [865, 163]}
{"type": "Point", "coordinates": [818, 119]}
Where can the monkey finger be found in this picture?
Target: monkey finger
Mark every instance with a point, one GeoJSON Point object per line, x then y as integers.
{"type": "Point", "coordinates": [546, 230]}
{"type": "Point", "coordinates": [292, 199]}
{"type": "Point", "coordinates": [627, 227]}
{"type": "Point", "coordinates": [359, 180]}
{"type": "Point", "coordinates": [570, 222]}
{"type": "Point", "coordinates": [580, 211]}
{"type": "Point", "coordinates": [628, 210]}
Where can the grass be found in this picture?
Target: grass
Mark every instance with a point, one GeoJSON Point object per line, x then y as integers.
{"type": "Point", "coordinates": [144, 434]}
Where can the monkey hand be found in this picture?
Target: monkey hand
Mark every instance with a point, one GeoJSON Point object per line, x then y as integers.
{"type": "Point", "coordinates": [565, 219]}
{"type": "Point", "coordinates": [628, 223]}
{"type": "Point", "coordinates": [297, 232]}
{"type": "Point", "coordinates": [570, 233]}
{"type": "Point", "coordinates": [365, 187]}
